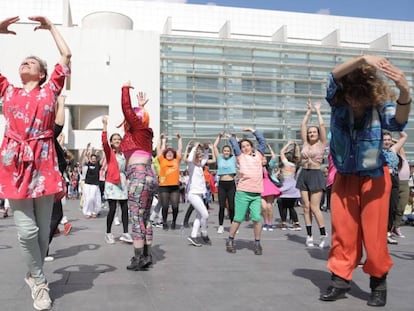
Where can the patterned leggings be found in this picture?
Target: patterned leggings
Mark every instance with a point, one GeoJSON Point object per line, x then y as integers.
{"type": "Point", "coordinates": [141, 189]}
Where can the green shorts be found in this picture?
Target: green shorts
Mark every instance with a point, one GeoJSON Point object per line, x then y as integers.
{"type": "Point", "coordinates": [247, 200]}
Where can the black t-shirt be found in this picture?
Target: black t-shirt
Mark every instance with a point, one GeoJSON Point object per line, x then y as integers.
{"type": "Point", "coordinates": [92, 174]}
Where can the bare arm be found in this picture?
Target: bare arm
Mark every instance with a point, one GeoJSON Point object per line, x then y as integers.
{"type": "Point", "coordinates": [213, 156]}
{"type": "Point", "coordinates": [304, 124]}
{"type": "Point", "coordinates": [60, 110]}
{"type": "Point", "coordinates": [322, 130]}
{"type": "Point", "coordinates": [180, 144]}
{"type": "Point", "coordinates": [45, 23]}
{"type": "Point", "coordinates": [160, 144]}
{"type": "Point", "coordinates": [400, 143]}
{"type": "Point", "coordinates": [215, 145]}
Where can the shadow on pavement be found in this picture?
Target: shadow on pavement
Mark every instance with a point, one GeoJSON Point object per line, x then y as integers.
{"type": "Point", "coordinates": [77, 278]}
{"type": "Point", "coordinates": [74, 250]}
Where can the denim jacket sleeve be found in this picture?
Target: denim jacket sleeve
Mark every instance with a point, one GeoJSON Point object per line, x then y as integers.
{"type": "Point", "coordinates": [235, 146]}
{"type": "Point", "coordinates": [261, 142]}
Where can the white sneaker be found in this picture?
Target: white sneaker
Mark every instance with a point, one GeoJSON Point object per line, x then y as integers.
{"type": "Point", "coordinates": [126, 237]}
{"type": "Point", "coordinates": [41, 299]}
{"type": "Point", "coordinates": [109, 238]}
{"type": "Point", "coordinates": [309, 241]}
{"type": "Point", "coordinates": [323, 241]}
{"type": "Point", "coordinates": [64, 220]}
{"type": "Point", "coordinates": [49, 258]}
{"type": "Point", "coordinates": [116, 221]}
{"type": "Point", "coordinates": [397, 231]}
{"type": "Point", "coordinates": [31, 282]}
{"type": "Point", "coordinates": [220, 230]}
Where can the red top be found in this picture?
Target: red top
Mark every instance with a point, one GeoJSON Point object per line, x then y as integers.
{"type": "Point", "coordinates": [28, 161]}
{"type": "Point", "coordinates": [112, 172]}
{"type": "Point", "coordinates": [137, 136]}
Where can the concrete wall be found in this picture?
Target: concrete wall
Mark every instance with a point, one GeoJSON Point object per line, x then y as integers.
{"type": "Point", "coordinates": [103, 60]}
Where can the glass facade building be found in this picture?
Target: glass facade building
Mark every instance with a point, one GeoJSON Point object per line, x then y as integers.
{"type": "Point", "coordinates": [212, 85]}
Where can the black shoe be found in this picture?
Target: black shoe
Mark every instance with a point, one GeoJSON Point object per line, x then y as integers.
{"type": "Point", "coordinates": [186, 225]}
{"type": "Point", "coordinates": [134, 265]}
{"type": "Point", "coordinates": [230, 246]}
{"type": "Point", "coordinates": [258, 250]}
{"type": "Point", "coordinates": [172, 225]}
{"type": "Point", "coordinates": [140, 263]}
{"type": "Point", "coordinates": [206, 240]}
{"type": "Point", "coordinates": [334, 293]}
{"type": "Point", "coordinates": [378, 298]}
{"type": "Point", "coordinates": [145, 261]}
{"type": "Point", "coordinates": [194, 241]}
{"type": "Point", "coordinates": [165, 226]}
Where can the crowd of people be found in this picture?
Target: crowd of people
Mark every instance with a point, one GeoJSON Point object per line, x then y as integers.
{"type": "Point", "coordinates": [366, 187]}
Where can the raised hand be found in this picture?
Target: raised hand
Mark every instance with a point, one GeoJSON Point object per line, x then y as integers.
{"type": "Point", "coordinates": [142, 99]}
{"type": "Point", "coordinates": [44, 22]}
{"type": "Point", "coordinates": [4, 25]}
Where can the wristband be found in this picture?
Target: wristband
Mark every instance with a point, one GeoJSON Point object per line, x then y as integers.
{"type": "Point", "coordinates": [404, 104]}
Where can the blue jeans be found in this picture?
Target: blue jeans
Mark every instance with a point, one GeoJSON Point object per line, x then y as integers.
{"type": "Point", "coordinates": [32, 219]}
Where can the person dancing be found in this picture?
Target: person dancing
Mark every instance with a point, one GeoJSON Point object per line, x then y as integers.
{"type": "Point", "coordinates": [361, 107]}
{"type": "Point", "coordinates": [137, 148]}
{"type": "Point", "coordinates": [311, 181]}
{"type": "Point", "coordinates": [115, 183]}
{"type": "Point", "coordinates": [29, 173]}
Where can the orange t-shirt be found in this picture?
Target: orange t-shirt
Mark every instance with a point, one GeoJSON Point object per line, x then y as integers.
{"type": "Point", "coordinates": [169, 171]}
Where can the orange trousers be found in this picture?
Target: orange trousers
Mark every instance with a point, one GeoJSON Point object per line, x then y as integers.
{"type": "Point", "coordinates": [359, 211]}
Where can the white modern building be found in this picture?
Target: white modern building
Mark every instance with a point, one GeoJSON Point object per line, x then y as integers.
{"type": "Point", "coordinates": [206, 69]}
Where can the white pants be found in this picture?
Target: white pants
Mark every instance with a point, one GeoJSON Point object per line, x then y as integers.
{"type": "Point", "coordinates": [196, 200]}
{"type": "Point", "coordinates": [91, 200]}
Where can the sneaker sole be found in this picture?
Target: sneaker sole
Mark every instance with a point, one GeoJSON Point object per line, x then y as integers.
{"type": "Point", "coordinates": [194, 243]}
{"type": "Point", "coordinates": [126, 240]}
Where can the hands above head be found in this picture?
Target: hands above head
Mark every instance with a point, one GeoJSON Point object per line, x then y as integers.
{"type": "Point", "coordinates": [4, 24]}
{"type": "Point", "coordinates": [178, 135]}
{"type": "Point", "coordinates": [128, 84]}
{"type": "Point", "coordinates": [248, 129]}
{"type": "Point", "coordinates": [44, 22]}
{"type": "Point", "coordinates": [105, 120]}
{"type": "Point", "coordinates": [142, 99]}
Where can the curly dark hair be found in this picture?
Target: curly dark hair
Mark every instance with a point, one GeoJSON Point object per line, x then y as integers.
{"type": "Point", "coordinates": [365, 84]}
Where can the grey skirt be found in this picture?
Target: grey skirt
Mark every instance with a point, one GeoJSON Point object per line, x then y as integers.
{"type": "Point", "coordinates": [311, 180]}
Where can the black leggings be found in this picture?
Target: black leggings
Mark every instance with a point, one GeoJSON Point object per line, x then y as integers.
{"type": "Point", "coordinates": [166, 195]}
{"type": "Point", "coordinates": [285, 204]}
{"type": "Point", "coordinates": [111, 214]}
{"type": "Point", "coordinates": [394, 197]}
{"type": "Point", "coordinates": [57, 214]}
{"type": "Point", "coordinates": [226, 194]}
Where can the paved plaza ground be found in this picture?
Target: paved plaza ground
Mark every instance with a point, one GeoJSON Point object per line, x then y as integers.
{"type": "Point", "coordinates": [88, 274]}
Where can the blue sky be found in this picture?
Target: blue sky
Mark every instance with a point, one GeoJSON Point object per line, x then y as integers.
{"type": "Point", "coordinates": [382, 9]}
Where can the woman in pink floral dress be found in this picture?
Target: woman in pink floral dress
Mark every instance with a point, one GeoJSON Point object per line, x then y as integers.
{"type": "Point", "coordinates": [29, 174]}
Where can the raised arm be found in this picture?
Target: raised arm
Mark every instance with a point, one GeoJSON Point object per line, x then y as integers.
{"type": "Point", "coordinates": [400, 142]}
{"type": "Point", "coordinates": [322, 129]}
{"type": "Point", "coordinates": [161, 144]}
{"type": "Point", "coordinates": [186, 151]}
{"type": "Point", "coordinates": [213, 156]}
{"type": "Point", "coordinates": [179, 144]}
{"type": "Point", "coordinates": [304, 124]}
{"type": "Point", "coordinates": [261, 141]}
{"type": "Point", "coordinates": [216, 151]}
{"type": "Point", "coordinates": [390, 71]}
{"type": "Point", "coordinates": [45, 23]}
